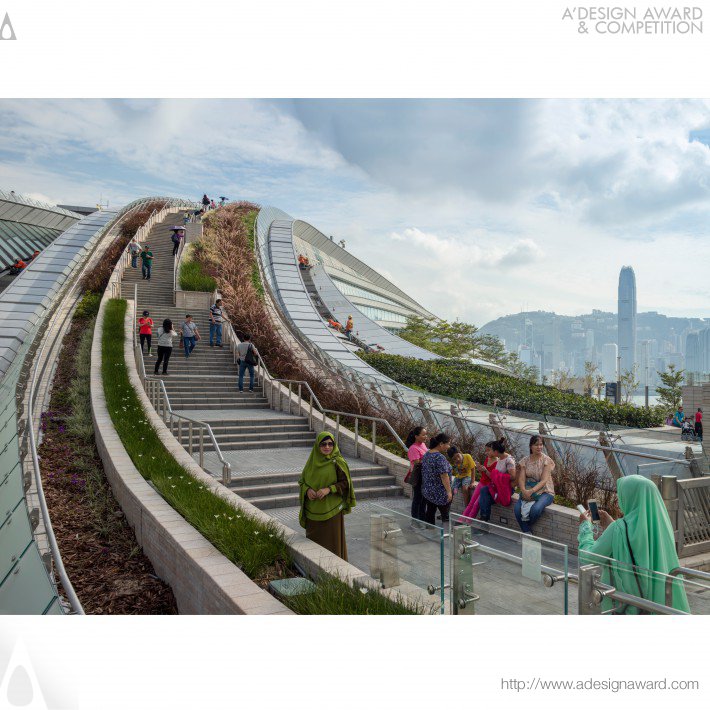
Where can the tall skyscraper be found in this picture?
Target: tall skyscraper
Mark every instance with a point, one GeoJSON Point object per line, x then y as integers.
{"type": "Point", "coordinates": [627, 318]}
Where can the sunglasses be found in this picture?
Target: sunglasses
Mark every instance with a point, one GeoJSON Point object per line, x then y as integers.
{"type": "Point", "coordinates": [326, 443]}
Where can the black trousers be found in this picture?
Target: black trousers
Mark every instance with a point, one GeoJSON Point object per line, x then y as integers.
{"type": "Point", "coordinates": [430, 512]}
{"type": "Point", "coordinates": [164, 354]}
{"type": "Point", "coordinates": [145, 338]}
{"type": "Point", "coordinates": [699, 430]}
{"type": "Point", "coordinates": [417, 503]}
{"type": "Point", "coordinates": [176, 246]}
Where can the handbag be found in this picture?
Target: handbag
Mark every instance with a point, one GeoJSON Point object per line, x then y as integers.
{"type": "Point", "coordinates": [531, 483]}
{"type": "Point", "coordinates": [414, 477]}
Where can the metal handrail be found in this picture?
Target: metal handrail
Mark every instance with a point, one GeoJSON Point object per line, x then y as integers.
{"type": "Point", "coordinates": [176, 265]}
{"type": "Point", "coordinates": [550, 575]}
{"type": "Point", "coordinates": [551, 437]}
{"type": "Point", "coordinates": [155, 393]}
{"type": "Point", "coordinates": [337, 414]}
{"type": "Point", "coordinates": [686, 572]}
{"type": "Point", "coordinates": [268, 379]}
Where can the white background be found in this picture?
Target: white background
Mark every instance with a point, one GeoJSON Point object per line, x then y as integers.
{"type": "Point", "coordinates": [326, 48]}
{"type": "Point", "coordinates": [379, 49]}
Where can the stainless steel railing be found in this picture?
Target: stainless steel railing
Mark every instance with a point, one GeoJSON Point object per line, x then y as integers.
{"type": "Point", "coordinates": [158, 395]}
{"type": "Point", "coordinates": [686, 572]}
{"type": "Point", "coordinates": [297, 387]}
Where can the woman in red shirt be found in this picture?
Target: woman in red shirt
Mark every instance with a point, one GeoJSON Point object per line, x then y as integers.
{"type": "Point", "coordinates": [146, 330]}
{"type": "Point", "coordinates": [488, 466]}
{"type": "Point", "coordinates": [699, 424]}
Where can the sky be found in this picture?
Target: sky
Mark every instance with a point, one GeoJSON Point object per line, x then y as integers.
{"type": "Point", "coordinates": [476, 208]}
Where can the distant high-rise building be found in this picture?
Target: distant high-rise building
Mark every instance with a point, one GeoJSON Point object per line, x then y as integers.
{"type": "Point", "coordinates": [551, 346]}
{"type": "Point", "coordinates": [609, 352]}
{"type": "Point", "coordinates": [627, 319]}
{"type": "Point", "coordinates": [693, 354]}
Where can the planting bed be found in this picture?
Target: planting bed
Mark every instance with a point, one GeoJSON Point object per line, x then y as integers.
{"type": "Point", "coordinates": [109, 572]}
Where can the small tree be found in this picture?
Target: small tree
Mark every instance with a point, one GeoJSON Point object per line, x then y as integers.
{"type": "Point", "coordinates": [590, 373]}
{"type": "Point", "coordinates": [562, 379]}
{"type": "Point", "coordinates": [670, 394]}
{"type": "Point", "coordinates": [629, 384]}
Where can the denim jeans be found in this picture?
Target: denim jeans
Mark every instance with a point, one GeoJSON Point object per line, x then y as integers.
{"type": "Point", "coordinates": [535, 512]}
{"type": "Point", "coordinates": [134, 260]}
{"type": "Point", "coordinates": [216, 328]}
{"type": "Point", "coordinates": [189, 344]}
{"type": "Point", "coordinates": [147, 266]}
{"type": "Point", "coordinates": [243, 367]}
{"type": "Point", "coordinates": [485, 503]}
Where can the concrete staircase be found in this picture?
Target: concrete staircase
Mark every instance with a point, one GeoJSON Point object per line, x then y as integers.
{"type": "Point", "coordinates": [266, 449]}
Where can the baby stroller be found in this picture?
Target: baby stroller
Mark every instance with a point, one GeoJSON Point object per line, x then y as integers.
{"type": "Point", "coordinates": [687, 431]}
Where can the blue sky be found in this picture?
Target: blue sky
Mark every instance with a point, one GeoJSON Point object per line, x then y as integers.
{"type": "Point", "coordinates": [477, 208]}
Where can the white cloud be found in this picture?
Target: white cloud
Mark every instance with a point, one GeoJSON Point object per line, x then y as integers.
{"type": "Point", "coordinates": [475, 208]}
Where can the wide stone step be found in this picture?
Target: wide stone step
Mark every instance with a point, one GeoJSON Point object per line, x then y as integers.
{"type": "Point", "coordinates": [257, 421]}
{"type": "Point", "coordinates": [272, 489]}
{"type": "Point", "coordinates": [273, 441]}
{"type": "Point", "coordinates": [209, 388]}
{"type": "Point", "coordinates": [287, 443]}
{"type": "Point", "coordinates": [286, 500]}
{"type": "Point", "coordinates": [259, 431]}
{"type": "Point", "coordinates": [215, 402]}
{"type": "Point", "coordinates": [246, 405]}
{"type": "Point", "coordinates": [257, 479]}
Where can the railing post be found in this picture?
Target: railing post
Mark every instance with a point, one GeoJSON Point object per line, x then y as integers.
{"type": "Point", "coordinates": [337, 429]}
{"type": "Point", "coordinates": [300, 390]}
{"type": "Point", "coordinates": [310, 411]}
{"type": "Point", "coordinates": [180, 431]}
{"type": "Point", "coordinates": [589, 598]}
{"type": "Point", "coordinates": [226, 474]}
{"type": "Point", "coordinates": [189, 445]}
{"type": "Point", "coordinates": [202, 447]}
{"type": "Point", "coordinates": [357, 434]}
{"type": "Point", "coordinates": [374, 441]}
{"type": "Point", "coordinates": [669, 493]}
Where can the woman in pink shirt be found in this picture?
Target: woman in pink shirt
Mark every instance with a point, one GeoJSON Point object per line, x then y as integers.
{"type": "Point", "coordinates": [416, 448]}
{"type": "Point", "coordinates": [699, 424]}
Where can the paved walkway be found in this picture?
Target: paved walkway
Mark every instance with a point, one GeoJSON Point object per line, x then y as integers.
{"type": "Point", "coordinates": [499, 583]}
{"type": "Point", "coordinates": [265, 461]}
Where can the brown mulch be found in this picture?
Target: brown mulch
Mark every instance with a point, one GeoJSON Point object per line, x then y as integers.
{"type": "Point", "coordinates": [107, 568]}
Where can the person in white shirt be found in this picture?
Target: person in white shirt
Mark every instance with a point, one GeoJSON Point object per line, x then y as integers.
{"type": "Point", "coordinates": [165, 345]}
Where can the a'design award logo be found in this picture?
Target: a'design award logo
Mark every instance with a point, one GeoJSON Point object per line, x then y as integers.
{"type": "Point", "coordinates": [7, 31]}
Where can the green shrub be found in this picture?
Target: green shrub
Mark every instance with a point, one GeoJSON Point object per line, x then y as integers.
{"type": "Point", "coordinates": [89, 305]}
{"type": "Point", "coordinates": [193, 276]}
{"type": "Point", "coordinates": [472, 383]}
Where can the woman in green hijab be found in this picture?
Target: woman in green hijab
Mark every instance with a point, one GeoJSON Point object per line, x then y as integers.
{"type": "Point", "coordinates": [638, 544]}
{"type": "Point", "coordinates": [326, 494]}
